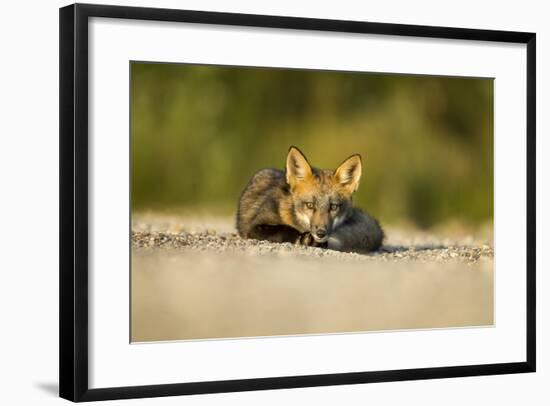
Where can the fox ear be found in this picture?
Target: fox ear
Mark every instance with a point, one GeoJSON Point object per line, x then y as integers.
{"type": "Point", "coordinates": [297, 166]}
{"type": "Point", "coordinates": [349, 173]}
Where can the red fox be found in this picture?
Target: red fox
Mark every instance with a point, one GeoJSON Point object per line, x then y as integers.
{"type": "Point", "coordinates": [308, 206]}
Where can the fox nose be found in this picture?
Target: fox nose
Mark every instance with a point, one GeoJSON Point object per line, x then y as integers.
{"type": "Point", "coordinates": [321, 233]}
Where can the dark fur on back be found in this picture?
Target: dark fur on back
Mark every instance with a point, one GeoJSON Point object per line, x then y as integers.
{"type": "Point", "coordinates": [260, 206]}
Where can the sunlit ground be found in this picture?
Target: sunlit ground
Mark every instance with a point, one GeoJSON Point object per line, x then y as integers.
{"type": "Point", "coordinates": [193, 279]}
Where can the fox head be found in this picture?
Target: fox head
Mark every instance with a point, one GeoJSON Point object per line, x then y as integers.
{"type": "Point", "coordinates": [321, 198]}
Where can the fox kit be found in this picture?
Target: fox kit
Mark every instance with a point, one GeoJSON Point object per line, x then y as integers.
{"type": "Point", "coordinates": [308, 206]}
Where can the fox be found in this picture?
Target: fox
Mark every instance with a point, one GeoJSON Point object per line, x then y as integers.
{"type": "Point", "coordinates": [307, 206]}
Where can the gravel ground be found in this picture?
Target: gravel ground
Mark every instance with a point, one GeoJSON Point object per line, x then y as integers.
{"type": "Point", "coordinates": [194, 278]}
{"type": "Point", "coordinates": [217, 235]}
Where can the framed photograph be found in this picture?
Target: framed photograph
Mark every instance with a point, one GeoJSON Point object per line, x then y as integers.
{"type": "Point", "coordinates": [257, 202]}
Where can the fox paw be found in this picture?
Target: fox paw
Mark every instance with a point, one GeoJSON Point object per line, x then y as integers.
{"type": "Point", "coordinates": [305, 239]}
{"type": "Point", "coordinates": [308, 240]}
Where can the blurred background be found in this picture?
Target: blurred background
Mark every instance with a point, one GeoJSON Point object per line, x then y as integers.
{"type": "Point", "coordinates": [198, 133]}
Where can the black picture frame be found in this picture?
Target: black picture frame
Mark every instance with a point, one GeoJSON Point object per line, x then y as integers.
{"type": "Point", "coordinates": [73, 254]}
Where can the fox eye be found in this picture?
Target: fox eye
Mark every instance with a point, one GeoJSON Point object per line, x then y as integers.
{"type": "Point", "coordinates": [309, 205]}
{"type": "Point", "coordinates": [334, 207]}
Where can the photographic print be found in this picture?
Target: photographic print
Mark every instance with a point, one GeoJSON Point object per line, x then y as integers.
{"type": "Point", "coordinates": [282, 202]}
{"type": "Point", "coordinates": [290, 202]}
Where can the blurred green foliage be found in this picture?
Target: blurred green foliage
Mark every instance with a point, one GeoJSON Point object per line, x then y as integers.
{"type": "Point", "coordinates": [200, 132]}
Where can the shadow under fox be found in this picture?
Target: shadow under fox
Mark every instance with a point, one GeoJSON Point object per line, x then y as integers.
{"type": "Point", "coordinates": [308, 206]}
